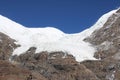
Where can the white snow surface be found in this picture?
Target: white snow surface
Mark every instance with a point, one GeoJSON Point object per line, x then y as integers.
{"type": "Point", "coordinates": [51, 39]}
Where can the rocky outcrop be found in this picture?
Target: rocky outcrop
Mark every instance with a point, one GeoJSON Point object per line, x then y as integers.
{"type": "Point", "coordinates": [54, 66]}
{"type": "Point", "coordinates": [7, 46]}
{"type": "Point", "coordinates": [104, 69]}
{"type": "Point", "coordinates": [10, 71]}
{"type": "Point", "coordinates": [106, 40]}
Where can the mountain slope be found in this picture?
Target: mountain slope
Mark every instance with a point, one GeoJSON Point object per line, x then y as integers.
{"type": "Point", "coordinates": [107, 42]}
{"type": "Point", "coordinates": [49, 54]}
{"type": "Point", "coordinates": [51, 39]}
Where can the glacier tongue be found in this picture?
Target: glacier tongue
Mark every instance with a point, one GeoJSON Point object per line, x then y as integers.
{"type": "Point", "coordinates": [51, 39]}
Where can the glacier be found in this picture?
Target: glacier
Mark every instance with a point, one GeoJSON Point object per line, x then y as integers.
{"type": "Point", "coordinates": [51, 39]}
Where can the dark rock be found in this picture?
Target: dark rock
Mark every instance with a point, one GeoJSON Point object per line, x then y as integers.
{"type": "Point", "coordinates": [9, 71]}
{"type": "Point", "coordinates": [7, 46]}
{"type": "Point", "coordinates": [107, 39]}
{"type": "Point", "coordinates": [55, 66]}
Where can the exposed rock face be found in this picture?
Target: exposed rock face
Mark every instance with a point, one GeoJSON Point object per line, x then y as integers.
{"type": "Point", "coordinates": [55, 66]}
{"type": "Point", "coordinates": [107, 39]}
{"type": "Point", "coordinates": [107, 42]}
{"type": "Point", "coordinates": [104, 69]}
{"type": "Point", "coordinates": [10, 71]}
{"type": "Point", "coordinates": [7, 46]}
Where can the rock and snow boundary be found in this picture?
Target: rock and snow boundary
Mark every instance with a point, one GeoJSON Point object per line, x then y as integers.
{"type": "Point", "coordinates": [51, 39]}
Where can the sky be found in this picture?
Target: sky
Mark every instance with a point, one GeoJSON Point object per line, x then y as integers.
{"type": "Point", "coordinates": [70, 16]}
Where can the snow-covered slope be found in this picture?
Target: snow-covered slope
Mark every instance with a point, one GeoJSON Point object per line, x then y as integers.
{"type": "Point", "coordinates": [51, 39]}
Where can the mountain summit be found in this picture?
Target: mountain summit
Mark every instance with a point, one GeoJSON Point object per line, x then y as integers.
{"type": "Point", "coordinates": [48, 53]}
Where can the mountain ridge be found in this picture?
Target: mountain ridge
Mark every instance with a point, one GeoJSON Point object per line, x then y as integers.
{"type": "Point", "coordinates": [51, 39]}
